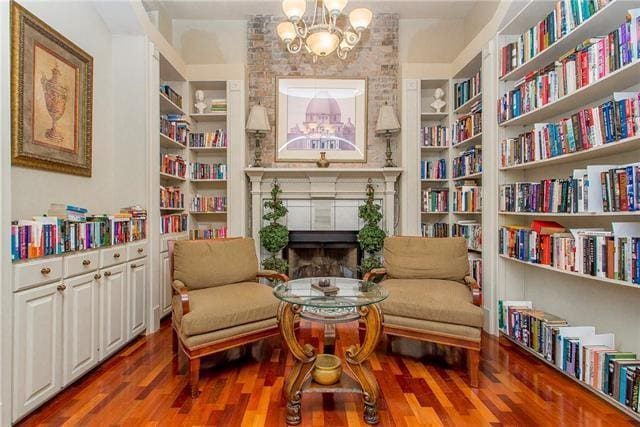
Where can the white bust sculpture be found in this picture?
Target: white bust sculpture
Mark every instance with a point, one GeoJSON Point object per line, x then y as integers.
{"type": "Point", "coordinates": [438, 104]}
{"type": "Point", "coordinates": [200, 104]}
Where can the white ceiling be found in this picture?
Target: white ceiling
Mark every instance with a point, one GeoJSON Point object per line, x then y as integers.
{"type": "Point", "coordinates": [241, 9]}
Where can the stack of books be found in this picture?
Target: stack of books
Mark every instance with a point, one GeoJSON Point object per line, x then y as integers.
{"type": "Point", "coordinates": [217, 138]}
{"type": "Point", "coordinates": [433, 169]}
{"type": "Point", "coordinates": [171, 94]}
{"type": "Point", "coordinates": [434, 136]}
{"type": "Point", "coordinates": [218, 105]}
{"type": "Point", "coordinates": [436, 229]}
{"type": "Point", "coordinates": [204, 204]}
{"type": "Point", "coordinates": [468, 125]}
{"type": "Point", "coordinates": [467, 89]}
{"type": "Point", "coordinates": [435, 200]}
{"type": "Point", "coordinates": [171, 198]}
{"type": "Point", "coordinates": [175, 128]}
{"type": "Point", "coordinates": [207, 171]}
{"type": "Point", "coordinates": [173, 165]}
{"type": "Point", "coordinates": [467, 197]}
{"type": "Point", "coordinates": [176, 223]}
{"type": "Point", "coordinates": [468, 162]}
{"type": "Point", "coordinates": [138, 220]}
{"type": "Point", "coordinates": [471, 230]}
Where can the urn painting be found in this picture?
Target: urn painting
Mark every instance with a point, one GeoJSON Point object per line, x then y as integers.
{"type": "Point", "coordinates": [51, 82]}
{"type": "Point", "coordinates": [321, 115]}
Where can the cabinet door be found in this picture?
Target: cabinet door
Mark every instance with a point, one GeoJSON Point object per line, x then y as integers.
{"type": "Point", "coordinates": [165, 275]}
{"type": "Point", "coordinates": [136, 296]}
{"type": "Point", "coordinates": [37, 346]}
{"type": "Point", "coordinates": [80, 325]}
{"type": "Point", "coordinates": [113, 309]}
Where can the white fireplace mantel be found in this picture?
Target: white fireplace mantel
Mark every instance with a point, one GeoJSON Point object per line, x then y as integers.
{"type": "Point", "coordinates": [323, 184]}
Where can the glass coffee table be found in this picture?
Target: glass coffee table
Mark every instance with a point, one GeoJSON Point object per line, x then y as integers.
{"type": "Point", "coordinates": [349, 300]}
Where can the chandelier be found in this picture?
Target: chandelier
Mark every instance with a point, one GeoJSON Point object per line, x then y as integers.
{"type": "Point", "coordinates": [323, 36]}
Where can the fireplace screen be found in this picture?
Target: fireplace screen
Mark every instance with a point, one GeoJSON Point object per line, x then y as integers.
{"type": "Point", "coordinates": [322, 254]}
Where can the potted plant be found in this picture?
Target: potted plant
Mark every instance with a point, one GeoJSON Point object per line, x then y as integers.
{"type": "Point", "coordinates": [274, 236]}
{"type": "Point", "coordinates": [371, 236]}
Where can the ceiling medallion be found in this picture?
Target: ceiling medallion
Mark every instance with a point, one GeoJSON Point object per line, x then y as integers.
{"type": "Point", "coordinates": [323, 36]}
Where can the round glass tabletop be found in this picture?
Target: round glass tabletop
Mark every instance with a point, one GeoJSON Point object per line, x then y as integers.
{"type": "Point", "coordinates": [338, 292]}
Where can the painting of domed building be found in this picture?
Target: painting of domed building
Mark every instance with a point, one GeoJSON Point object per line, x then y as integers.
{"type": "Point", "coordinates": [321, 115]}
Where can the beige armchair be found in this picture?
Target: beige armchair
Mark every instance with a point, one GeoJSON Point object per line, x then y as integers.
{"type": "Point", "coordinates": [218, 303]}
{"type": "Point", "coordinates": [431, 295]}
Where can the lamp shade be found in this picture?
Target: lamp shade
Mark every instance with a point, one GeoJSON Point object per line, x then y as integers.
{"type": "Point", "coordinates": [387, 120]}
{"type": "Point", "coordinates": [335, 6]}
{"type": "Point", "coordinates": [258, 120]}
{"type": "Point", "coordinates": [322, 43]}
{"type": "Point", "coordinates": [286, 31]}
{"type": "Point", "coordinates": [360, 18]}
{"type": "Point", "coordinates": [294, 9]}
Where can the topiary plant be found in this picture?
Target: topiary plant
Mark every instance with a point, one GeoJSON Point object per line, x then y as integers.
{"type": "Point", "coordinates": [371, 236]}
{"type": "Point", "coordinates": [274, 237]}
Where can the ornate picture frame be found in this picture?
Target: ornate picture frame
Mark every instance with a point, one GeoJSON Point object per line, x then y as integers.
{"type": "Point", "coordinates": [51, 98]}
{"type": "Point", "coordinates": [315, 115]}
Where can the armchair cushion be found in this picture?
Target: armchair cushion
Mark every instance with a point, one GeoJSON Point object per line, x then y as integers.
{"type": "Point", "coordinates": [426, 258]}
{"type": "Point", "coordinates": [222, 307]}
{"type": "Point", "coordinates": [202, 264]}
{"type": "Point", "coordinates": [433, 300]}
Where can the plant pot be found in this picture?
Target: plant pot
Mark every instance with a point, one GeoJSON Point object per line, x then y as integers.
{"type": "Point", "coordinates": [327, 369]}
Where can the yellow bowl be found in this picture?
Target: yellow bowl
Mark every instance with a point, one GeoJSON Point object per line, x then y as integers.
{"type": "Point", "coordinates": [327, 369]}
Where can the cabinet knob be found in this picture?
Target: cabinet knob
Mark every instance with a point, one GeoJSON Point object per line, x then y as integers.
{"type": "Point", "coordinates": [116, 255]}
{"type": "Point", "coordinates": [45, 270]}
{"type": "Point", "coordinates": [62, 287]}
{"type": "Point", "coordinates": [140, 250]}
{"type": "Point", "coordinates": [86, 262]}
{"type": "Point", "coordinates": [107, 273]}
{"type": "Point", "coordinates": [134, 265]}
{"type": "Point", "coordinates": [97, 276]}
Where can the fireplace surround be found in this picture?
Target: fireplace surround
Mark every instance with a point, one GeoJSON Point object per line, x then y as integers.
{"type": "Point", "coordinates": [323, 254]}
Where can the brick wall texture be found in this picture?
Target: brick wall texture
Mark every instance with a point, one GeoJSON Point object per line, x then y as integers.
{"type": "Point", "coordinates": [375, 57]}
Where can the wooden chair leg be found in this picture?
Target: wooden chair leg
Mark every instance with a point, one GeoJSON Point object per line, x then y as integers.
{"type": "Point", "coordinates": [183, 361]}
{"type": "Point", "coordinates": [194, 376]}
{"type": "Point", "coordinates": [174, 340]}
{"type": "Point", "coordinates": [473, 366]}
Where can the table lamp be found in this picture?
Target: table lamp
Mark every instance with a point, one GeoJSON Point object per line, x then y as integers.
{"type": "Point", "coordinates": [387, 125]}
{"type": "Point", "coordinates": [258, 124]}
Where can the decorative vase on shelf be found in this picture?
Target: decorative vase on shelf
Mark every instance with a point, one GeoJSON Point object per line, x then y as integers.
{"type": "Point", "coordinates": [323, 162]}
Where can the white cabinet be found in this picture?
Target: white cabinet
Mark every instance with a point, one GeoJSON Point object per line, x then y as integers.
{"type": "Point", "coordinates": [113, 309]}
{"type": "Point", "coordinates": [165, 283]}
{"type": "Point", "coordinates": [136, 296]}
{"type": "Point", "coordinates": [80, 325]}
{"type": "Point", "coordinates": [37, 346]}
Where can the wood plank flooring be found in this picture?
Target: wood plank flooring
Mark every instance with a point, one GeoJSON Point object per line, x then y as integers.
{"type": "Point", "coordinates": [139, 387]}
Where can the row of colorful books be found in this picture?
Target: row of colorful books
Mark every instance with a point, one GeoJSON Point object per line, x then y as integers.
{"type": "Point", "coordinates": [173, 165]}
{"type": "Point", "coordinates": [174, 223]}
{"type": "Point", "coordinates": [201, 203]}
{"type": "Point", "coordinates": [174, 128]}
{"type": "Point", "coordinates": [217, 139]}
{"type": "Point", "coordinates": [468, 162]}
{"type": "Point", "coordinates": [592, 60]}
{"type": "Point", "coordinates": [208, 233]}
{"type": "Point", "coordinates": [471, 230]}
{"type": "Point", "coordinates": [173, 96]}
{"type": "Point", "coordinates": [436, 229]}
{"type": "Point", "coordinates": [467, 126]}
{"type": "Point", "coordinates": [207, 170]}
{"type": "Point", "coordinates": [591, 251]}
{"type": "Point", "coordinates": [467, 198]}
{"type": "Point", "coordinates": [433, 169]}
{"type": "Point", "coordinates": [171, 197]}
{"type": "Point", "coordinates": [577, 350]}
{"type": "Point", "coordinates": [57, 233]}
{"type": "Point", "coordinates": [609, 122]}
{"type": "Point", "coordinates": [467, 89]}
{"type": "Point", "coordinates": [561, 20]}
{"type": "Point", "coordinates": [598, 188]}
{"type": "Point", "coordinates": [475, 270]}
{"type": "Point", "coordinates": [434, 136]}
{"type": "Point", "coordinates": [435, 200]}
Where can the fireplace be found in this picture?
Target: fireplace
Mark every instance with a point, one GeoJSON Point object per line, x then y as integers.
{"type": "Point", "coordinates": [323, 253]}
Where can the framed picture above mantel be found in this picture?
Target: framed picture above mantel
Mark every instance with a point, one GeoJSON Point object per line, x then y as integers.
{"type": "Point", "coordinates": [315, 115]}
{"type": "Point", "coordinates": [51, 98]}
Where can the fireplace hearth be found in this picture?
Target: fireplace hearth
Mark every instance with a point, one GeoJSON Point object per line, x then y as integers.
{"type": "Point", "coordinates": [323, 253]}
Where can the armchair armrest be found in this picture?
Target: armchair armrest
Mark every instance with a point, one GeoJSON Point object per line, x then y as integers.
{"type": "Point", "coordinates": [475, 290]}
{"type": "Point", "coordinates": [180, 289]}
{"type": "Point", "coordinates": [375, 272]}
{"type": "Point", "coordinates": [272, 275]}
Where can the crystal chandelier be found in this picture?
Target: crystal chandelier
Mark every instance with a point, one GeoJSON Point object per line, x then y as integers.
{"type": "Point", "coordinates": [322, 36]}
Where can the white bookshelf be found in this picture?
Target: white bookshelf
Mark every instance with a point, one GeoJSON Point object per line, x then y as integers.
{"type": "Point", "coordinates": [609, 305]}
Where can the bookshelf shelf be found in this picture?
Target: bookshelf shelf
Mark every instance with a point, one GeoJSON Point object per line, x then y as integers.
{"type": "Point", "coordinates": [595, 391]}
{"type": "Point", "coordinates": [208, 181]}
{"type": "Point", "coordinates": [169, 177]}
{"type": "Point", "coordinates": [208, 213]}
{"type": "Point", "coordinates": [209, 117]}
{"type": "Point", "coordinates": [476, 175]}
{"type": "Point", "coordinates": [600, 23]}
{"type": "Point", "coordinates": [477, 138]}
{"type": "Point", "coordinates": [435, 180]}
{"type": "Point", "coordinates": [620, 79]}
{"type": "Point", "coordinates": [434, 149]}
{"type": "Point", "coordinates": [467, 213]}
{"type": "Point", "coordinates": [466, 107]}
{"type": "Point", "coordinates": [579, 214]}
{"type": "Point", "coordinates": [434, 213]}
{"type": "Point", "coordinates": [434, 116]}
{"type": "Point", "coordinates": [572, 273]}
{"type": "Point", "coordinates": [170, 143]}
{"type": "Point", "coordinates": [621, 146]}
{"type": "Point", "coordinates": [171, 209]}
{"type": "Point", "coordinates": [208, 149]}
{"type": "Point", "coordinates": [168, 107]}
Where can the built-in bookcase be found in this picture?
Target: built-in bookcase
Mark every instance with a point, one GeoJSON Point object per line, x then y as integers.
{"type": "Point", "coordinates": [608, 304]}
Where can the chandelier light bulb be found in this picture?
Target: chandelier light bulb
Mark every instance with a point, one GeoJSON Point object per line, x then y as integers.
{"type": "Point", "coordinates": [294, 9]}
{"type": "Point", "coordinates": [287, 31]}
{"type": "Point", "coordinates": [360, 18]}
{"type": "Point", "coordinates": [335, 7]}
{"type": "Point", "coordinates": [323, 43]}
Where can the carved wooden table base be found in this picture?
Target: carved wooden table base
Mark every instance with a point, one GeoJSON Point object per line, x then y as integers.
{"type": "Point", "coordinates": [298, 380]}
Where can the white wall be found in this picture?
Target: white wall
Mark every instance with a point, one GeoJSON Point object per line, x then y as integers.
{"type": "Point", "coordinates": [33, 190]}
{"type": "Point", "coordinates": [211, 42]}
{"type": "Point", "coordinates": [430, 40]}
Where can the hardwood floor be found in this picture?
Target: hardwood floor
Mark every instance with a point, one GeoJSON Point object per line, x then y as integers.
{"type": "Point", "coordinates": [139, 386]}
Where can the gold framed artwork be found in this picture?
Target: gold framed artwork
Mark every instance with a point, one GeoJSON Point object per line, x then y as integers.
{"type": "Point", "coordinates": [51, 98]}
{"type": "Point", "coordinates": [315, 115]}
